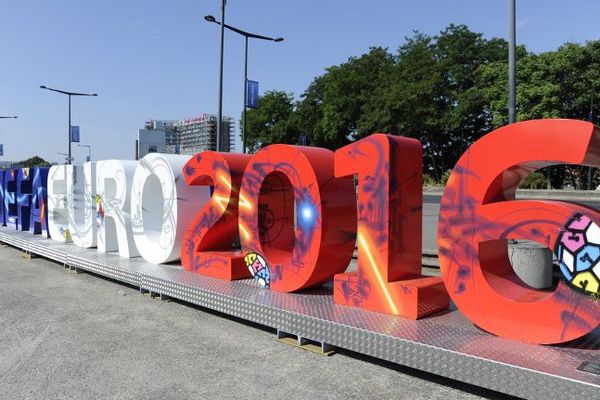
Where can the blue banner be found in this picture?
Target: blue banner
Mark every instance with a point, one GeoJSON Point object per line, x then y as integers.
{"type": "Point", "coordinates": [74, 133]}
{"type": "Point", "coordinates": [252, 94]}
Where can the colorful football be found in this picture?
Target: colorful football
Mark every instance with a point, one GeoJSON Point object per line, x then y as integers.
{"type": "Point", "coordinates": [578, 253]}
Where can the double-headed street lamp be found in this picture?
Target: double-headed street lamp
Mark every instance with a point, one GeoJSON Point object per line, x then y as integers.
{"type": "Point", "coordinates": [220, 112]}
{"type": "Point", "coordinates": [69, 94]}
{"type": "Point", "coordinates": [89, 147]}
{"type": "Point", "coordinates": [246, 35]}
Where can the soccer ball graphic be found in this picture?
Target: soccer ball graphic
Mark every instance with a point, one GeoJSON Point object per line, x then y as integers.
{"type": "Point", "coordinates": [578, 252]}
{"type": "Point", "coordinates": [258, 268]}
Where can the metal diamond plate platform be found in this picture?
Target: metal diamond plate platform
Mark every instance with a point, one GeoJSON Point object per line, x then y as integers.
{"type": "Point", "coordinates": [445, 344]}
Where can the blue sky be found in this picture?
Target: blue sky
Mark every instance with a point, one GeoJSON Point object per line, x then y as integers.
{"type": "Point", "coordinates": [159, 59]}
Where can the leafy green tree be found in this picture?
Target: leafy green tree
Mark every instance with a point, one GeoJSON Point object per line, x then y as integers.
{"type": "Point", "coordinates": [272, 122]}
{"type": "Point", "coordinates": [426, 91]}
{"type": "Point", "coordinates": [446, 90]}
{"type": "Point", "coordinates": [433, 94]}
{"type": "Point", "coordinates": [459, 53]}
{"type": "Point", "coordinates": [415, 99]}
{"type": "Point", "coordinates": [334, 104]}
{"type": "Point", "coordinates": [535, 180]}
{"type": "Point", "coordinates": [34, 161]}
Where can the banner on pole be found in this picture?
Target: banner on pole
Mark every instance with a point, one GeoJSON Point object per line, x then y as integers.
{"type": "Point", "coordinates": [252, 94]}
{"type": "Point", "coordinates": [75, 133]}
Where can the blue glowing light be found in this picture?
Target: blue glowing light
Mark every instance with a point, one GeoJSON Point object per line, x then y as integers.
{"type": "Point", "coordinates": [306, 214]}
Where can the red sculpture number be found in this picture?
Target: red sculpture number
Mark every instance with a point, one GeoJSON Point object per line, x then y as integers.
{"type": "Point", "coordinates": [478, 215]}
{"type": "Point", "coordinates": [207, 244]}
{"type": "Point", "coordinates": [390, 192]}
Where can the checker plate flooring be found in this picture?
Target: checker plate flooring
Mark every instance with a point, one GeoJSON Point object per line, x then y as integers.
{"type": "Point", "coordinates": [445, 344]}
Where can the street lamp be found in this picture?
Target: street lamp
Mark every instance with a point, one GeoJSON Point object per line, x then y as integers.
{"type": "Point", "coordinates": [69, 94]}
{"type": "Point", "coordinates": [14, 116]}
{"type": "Point", "coordinates": [67, 157]}
{"type": "Point", "coordinates": [220, 112]}
{"type": "Point", "coordinates": [246, 35]}
{"type": "Point", "coordinates": [512, 64]}
{"type": "Point", "coordinates": [89, 147]}
{"type": "Point", "coordinates": [591, 119]}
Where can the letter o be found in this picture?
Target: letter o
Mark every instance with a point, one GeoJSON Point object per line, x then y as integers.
{"type": "Point", "coordinates": [162, 205]}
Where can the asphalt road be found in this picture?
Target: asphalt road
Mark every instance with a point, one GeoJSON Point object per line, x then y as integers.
{"type": "Point", "coordinates": [431, 212]}
{"type": "Point", "coordinates": [78, 336]}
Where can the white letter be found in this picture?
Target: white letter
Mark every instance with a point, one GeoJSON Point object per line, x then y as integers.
{"type": "Point", "coordinates": [113, 178]}
{"type": "Point", "coordinates": [58, 224]}
{"type": "Point", "coordinates": [81, 189]}
{"type": "Point", "coordinates": [162, 206]}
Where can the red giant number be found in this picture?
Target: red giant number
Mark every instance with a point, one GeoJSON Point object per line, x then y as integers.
{"type": "Point", "coordinates": [478, 214]}
{"type": "Point", "coordinates": [207, 244]}
{"type": "Point", "coordinates": [390, 193]}
{"type": "Point", "coordinates": [297, 226]}
{"type": "Point", "coordinates": [296, 216]}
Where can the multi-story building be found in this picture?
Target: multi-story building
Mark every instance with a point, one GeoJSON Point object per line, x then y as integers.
{"type": "Point", "coordinates": [188, 136]}
{"type": "Point", "coordinates": [157, 136]}
{"type": "Point", "coordinates": [200, 133]}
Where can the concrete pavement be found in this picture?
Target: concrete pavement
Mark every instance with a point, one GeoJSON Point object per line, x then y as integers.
{"type": "Point", "coordinates": [78, 336]}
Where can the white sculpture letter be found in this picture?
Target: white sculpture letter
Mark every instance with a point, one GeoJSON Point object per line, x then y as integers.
{"type": "Point", "coordinates": [162, 205]}
{"type": "Point", "coordinates": [58, 224]}
{"type": "Point", "coordinates": [113, 179]}
{"type": "Point", "coordinates": [81, 189]}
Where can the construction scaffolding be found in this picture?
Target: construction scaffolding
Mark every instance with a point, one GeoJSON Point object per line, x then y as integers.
{"type": "Point", "coordinates": [199, 133]}
{"type": "Point", "coordinates": [171, 139]}
{"type": "Point", "coordinates": [188, 136]}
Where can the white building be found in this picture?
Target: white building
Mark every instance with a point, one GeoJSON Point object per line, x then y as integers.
{"type": "Point", "coordinates": [157, 136]}
{"type": "Point", "coordinates": [188, 136]}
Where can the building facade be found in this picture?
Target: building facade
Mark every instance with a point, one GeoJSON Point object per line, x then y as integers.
{"type": "Point", "coordinates": [155, 135]}
{"type": "Point", "coordinates": [187, 136]}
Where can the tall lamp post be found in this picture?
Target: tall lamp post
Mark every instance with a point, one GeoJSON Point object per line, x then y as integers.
{"type": "Point", "coordinates": [89, 147]}
{"type": "Point", "coordinates": [246, 35]}
{"type": "Point", "coordinates": [220, 111]}
{"type": "Point", "coordinates": [512, 63]}
{"type": "Point", "coordinates": [591, 119]}
{"type": "Point", "coordinates": [70, 94]}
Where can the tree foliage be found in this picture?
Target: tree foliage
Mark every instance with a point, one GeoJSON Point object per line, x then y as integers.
{"type": "Point", "coordinates": [535, 180]}
{"type": "Point", "coordinates": [447, 90]}
{"type": "Point", "coordinates": [35, 161]}
{"type": "Point", "coordinates": [272, 122]}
